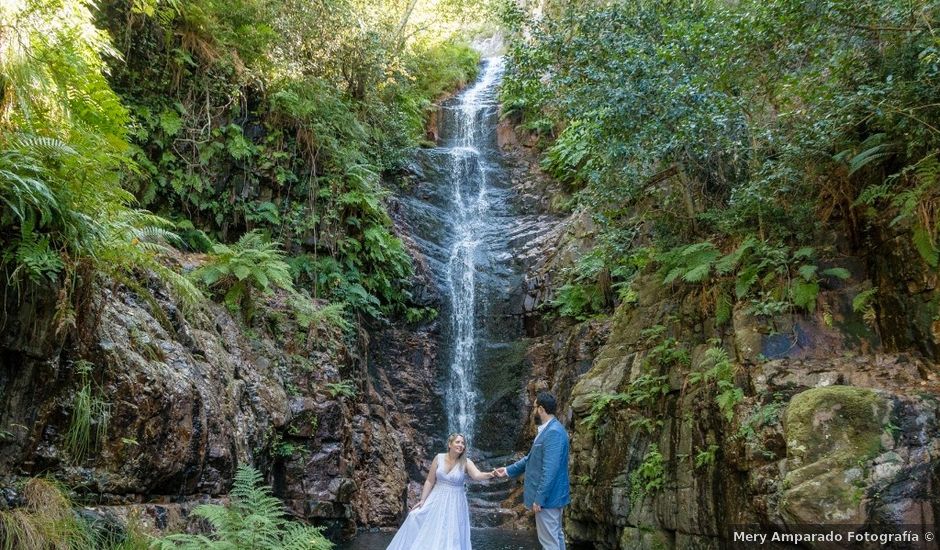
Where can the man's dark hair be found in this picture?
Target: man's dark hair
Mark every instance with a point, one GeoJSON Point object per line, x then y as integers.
{"type": "Point", "coordinates": [547, 401]}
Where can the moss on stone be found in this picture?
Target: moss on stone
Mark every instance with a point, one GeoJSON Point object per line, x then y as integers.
{"type": "Point", "coordinates": [841, 422]}
{"type": "Point", "coordinates": [830, 432]}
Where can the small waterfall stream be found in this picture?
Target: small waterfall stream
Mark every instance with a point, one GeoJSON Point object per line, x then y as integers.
{"type": "Point", "coordinates": [463, 215]}
{"type": "Point", "coordinates": [467, 178]}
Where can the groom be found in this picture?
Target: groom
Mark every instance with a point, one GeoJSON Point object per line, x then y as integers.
{"type": "Point", "coordinates": [546, 474]}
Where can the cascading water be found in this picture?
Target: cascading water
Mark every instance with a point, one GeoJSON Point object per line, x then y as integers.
{"type": "Point", "coordinates": [464, 217]}
{"type": "Point", "coordinates": [468, 179]}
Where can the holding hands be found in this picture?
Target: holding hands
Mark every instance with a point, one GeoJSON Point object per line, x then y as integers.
{"type": "Point", "coordinates": [498, 472]}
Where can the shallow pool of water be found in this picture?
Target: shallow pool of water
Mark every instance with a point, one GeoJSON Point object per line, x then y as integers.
{"type": "Point", "coordinates": [482, 539]}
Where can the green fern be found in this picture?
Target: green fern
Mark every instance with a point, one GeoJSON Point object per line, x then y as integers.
{"type": "Point", "coordinates": [862, 303]}
{"type": "Point", "coordinates": [24, 188]}
{"type": "Point", "coordinates": [254, 518]}
{"type": "Point", "coordinates": [343, 388]}
{"type": "Point", "coordinates": [729, 262]}
{"type": "Point", "coordinates": [804, 294]}
{"type": "Point", "coordinates": [717, 371]}
{"type": "Point", "coordinates": [925, 246]}
{"type": "Point", "coordinates": [840, 273]}
{"type": "Point", "coordinates": [650, 476]}
{"type": "Point", "coordinates": [253, 264]}
{"type": "Point", "coordinates": [874, 148]}
{"type": "Point", "coordinates": [693, 263]}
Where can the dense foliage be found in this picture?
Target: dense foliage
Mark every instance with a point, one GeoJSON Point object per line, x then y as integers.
{"type": "Point", "coordinates": [754, 124]}
{"type": "Point", "coordinates": [64, 215]}
{"type": "Point", "coordinates": [286, 118]}
{"type": "Point", "coordinates": [252, 519]}
{"type": "Point", "coordinates": [265, 136]}
{"type": "Point", "coordinates": [283, 116]}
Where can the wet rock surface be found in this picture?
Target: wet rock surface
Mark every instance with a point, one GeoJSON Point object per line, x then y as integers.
{"type": "Point", "coordinates": [837, 420]}
{"type": "Point", "coordinates": [830, 428]}
{"type": "Point", "coordinates": [188, 398]}
{"type": "Point", "coordinates": [465, 208]}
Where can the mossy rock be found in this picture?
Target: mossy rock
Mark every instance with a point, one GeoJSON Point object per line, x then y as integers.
{"type": "Point", "coordinates": [832, 435]}
{"type": "Point", "coordinates": [645, 538]}
{"type": "Point", "coordinates": [836, 422]}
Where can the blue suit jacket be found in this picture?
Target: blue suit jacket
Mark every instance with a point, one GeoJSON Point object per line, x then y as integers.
{"type": "Point", "coordinates": [545, 468]}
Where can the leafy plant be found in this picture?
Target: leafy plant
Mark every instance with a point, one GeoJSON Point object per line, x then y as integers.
{"type": "Point", "coordinates": [578, 301]}
{"type": "Point", "coordinates": [862, 303]}
{"type": "Point", "coordinates": [344, 388]}
{"type": "Point", "coordinates": [667, 354]}
{"type": "Point", "coordinates": [700, 129]}
{"type": "Point", "coordinates": [46, 520]}
{"type": "Point", "coordinates": [765, 415]}
{"type": "Point", "coordinates": [253, 264]}
{"type": "Point", "coordinates": [643, 391]}
{"type": "Point", "coordinates": [719, 371]}
{"type": "Point", "coordinates": [88, 427]}
{"type": "Point", "coordinates": [650, 476]}
{"type": "Point", "coordinates": [705, 457]}
{"type": "Point", "coordinates": [320, 319]}
{"type": "Point", "coordinates": [253, 519]}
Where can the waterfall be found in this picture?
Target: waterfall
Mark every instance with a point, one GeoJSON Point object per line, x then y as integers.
{"type": "Point", "coordinates": [468, 181]}
{"type": "Point", "coordinates": [472, 228]}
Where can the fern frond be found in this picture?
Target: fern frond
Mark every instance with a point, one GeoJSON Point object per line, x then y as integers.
{"type": "Point", "coordinates": [875, 149]}
{"type": "Point", "coordinates": [42, 145]}
{"type": "Point", "coordinates": [925, 246]}
{"type": "Point", "coordinates": [804, 294]}
{"type": "Point", "coordinates": [840, 273]}
{"type": "Point", "coordinates": [729, 262]}
{"type": "Point", "coordinates": [188, 294]}
{"type": "Point", "coordinates": [299, 537]}
{"type": "Point", "coordinates": [862, 300]}
{"type": "Point", "coordinates": [253, 519]}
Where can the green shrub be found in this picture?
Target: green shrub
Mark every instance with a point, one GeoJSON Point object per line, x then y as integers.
{"type": "Point", "coordinates": [718, 372]}
{"type": "Point", "coordinates": [642, 392]}
{"type": "Point", "coordinates": [253, 264]}
{"type": "Point", "coordinates": [252, 519]}
{"type": "Point", "coordinates": [699, 125]}
{"type": "Point", "coordinates": [344, 388]}
{"type": "Point", "coordinates": [650, 476]}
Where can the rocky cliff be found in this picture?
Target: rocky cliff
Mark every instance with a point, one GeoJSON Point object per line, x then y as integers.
{"type": "Point", "coordinates": [173, 403]}
{"type": "Point", "coordinates": [682, 427]}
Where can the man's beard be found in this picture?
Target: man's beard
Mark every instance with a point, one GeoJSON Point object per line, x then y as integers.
{"type": "Point", "coordinates": [537, 419]}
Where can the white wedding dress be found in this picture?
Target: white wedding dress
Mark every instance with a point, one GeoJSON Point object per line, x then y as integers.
{"type": "Point", "coordinates": [443, 523]}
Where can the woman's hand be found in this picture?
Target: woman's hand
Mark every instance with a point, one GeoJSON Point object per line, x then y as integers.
{"type": "Point", "coordinates": [491, 474]}
{"type": "Point", "coordinates": [418, 505]}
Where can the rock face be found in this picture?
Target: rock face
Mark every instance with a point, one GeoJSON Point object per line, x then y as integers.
{"type": "Point", "coordinates": [828, 427]}
{"type": "Point", "coordinates": [343, 430]}
{"type": "Point", "coordinates": [824, 418]}
{"type": "Point", "coordinates": [179, 401]}
{"type": "Point", "coordinates": [185, 402]}
{"type": "Point", "coordinates": [801, 418]}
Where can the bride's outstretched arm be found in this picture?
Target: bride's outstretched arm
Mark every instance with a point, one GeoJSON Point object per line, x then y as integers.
{"type": "Point", "coordinates": [428, 484]}
{"type": "Point", "coordinates": [477, 474]}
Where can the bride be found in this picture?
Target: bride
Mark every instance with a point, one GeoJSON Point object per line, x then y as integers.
{"type": "Point", "coordinates": [441, 519]}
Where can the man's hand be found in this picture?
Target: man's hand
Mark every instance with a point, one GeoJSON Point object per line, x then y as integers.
{"type": "Point", "coordinates": [501, 472]}
{"type": "Point", "coordinates": [536, 508]}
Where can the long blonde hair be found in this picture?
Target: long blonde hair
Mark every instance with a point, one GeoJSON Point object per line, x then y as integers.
{"type": "Point", "coordinates": [450, 440]}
